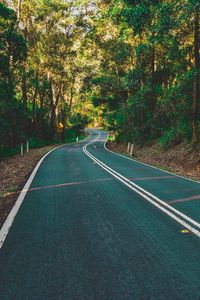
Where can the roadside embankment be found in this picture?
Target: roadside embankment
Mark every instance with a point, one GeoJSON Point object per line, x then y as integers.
{"type": "Point", "coordinates": [183, 159]}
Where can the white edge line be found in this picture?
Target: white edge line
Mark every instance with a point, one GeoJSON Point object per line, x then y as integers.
{"type": "Point", "coordinates": [11, 216]}
{"type": "Point", "coordinates": [148, 194]}
{"type": "Point", "coordinates": [148, 165]}
{"type": "Point", "coordinates": [177, 219]}
{"type": "Point", "coordinates": [131, 184]}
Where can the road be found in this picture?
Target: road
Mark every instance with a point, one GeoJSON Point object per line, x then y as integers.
{"type": "Point", "coordinates": [96, 225]}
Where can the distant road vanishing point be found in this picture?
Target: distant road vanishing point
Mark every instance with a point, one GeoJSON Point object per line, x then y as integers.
{"type": "Point", "coordinates": [95, 225]}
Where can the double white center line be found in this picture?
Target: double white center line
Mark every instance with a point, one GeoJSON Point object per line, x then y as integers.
{"type": "Point", "coordinates": [173, 213]}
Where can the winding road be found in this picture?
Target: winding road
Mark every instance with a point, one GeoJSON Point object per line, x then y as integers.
{"type": "Point", "coordinates": [95, 225]}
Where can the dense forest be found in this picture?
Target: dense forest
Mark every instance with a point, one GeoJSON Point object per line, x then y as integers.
{"type": "Point", "coordinates": [129, 66]}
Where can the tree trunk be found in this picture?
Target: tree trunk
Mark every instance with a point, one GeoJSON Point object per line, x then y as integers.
{"type": "Point", "coordinates": [34, 101]}
{"type": "Point", "coordinates": [71, 93]}
{"type": "Point", "coordinates": [195, 104]}
{"type": "Point", "coordinates": [24, 79]}
{"type": "Point", "coordinates": [54, 104]}
{"type": "Point", "coordinates": [63, 113]}
{"type": "Point", "coordinates": [24, 89]}
{"type": "Point", "coordinates": [51, 122]}
{"type": "Point", "coordinates": [41, 115]}
{"type": "Point", "coordinates": [153, 100]}
{"type": "Point", "coordinates": [19, 10]}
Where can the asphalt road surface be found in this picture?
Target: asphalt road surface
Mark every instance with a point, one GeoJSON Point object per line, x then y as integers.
{"type": "Point", "coordinates": [96, 225]}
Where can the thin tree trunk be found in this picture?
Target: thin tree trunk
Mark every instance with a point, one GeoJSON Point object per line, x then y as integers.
{"type": "Point", "coordinates": [71, 94]}
{"type": "Point", "coordinates": [19, 10]}
{"type": "Point", "coordinates": [51, 122]}
{"type": "Point", "coordinates": [24, 79]}
{"type": "Point", "coordinates": [41, 115]}
{"type": "Point", "coordinates": [63, 114]}
{"type": "Point", "coordinates": [153, 100]}
{"type": "Point", "coordinates": [24, 89]}
{"type": "Point", "coordinates": [195, 104]}
{"type": "Point", "coordinates": [53, 109]}
{"type": "Point", "coordinates": [34, 100]}
{"type": "Point", "coordinates": [33, 109]}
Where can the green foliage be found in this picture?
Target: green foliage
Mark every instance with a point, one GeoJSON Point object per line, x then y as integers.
{"type": "Point", "coordinates": [37, 143]}
{"type": "Point", "coordinates": [77, 123]}
{"type": "Point", "coordinates": [13, 116]}
{"type": "Point", "coordinates": [173, 136]}
{"type": "Point", "coordinates": [145, 89]}
{"type": "Point", "coordinates": [7, 152]}
{"type": "Point", "coordinates": [41, 71]}
{"type": "Point", "coordinates": [137, 16]}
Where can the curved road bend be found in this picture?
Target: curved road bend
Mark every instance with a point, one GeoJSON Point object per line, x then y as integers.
{"type": "Point", "coordinates": [92, 227]}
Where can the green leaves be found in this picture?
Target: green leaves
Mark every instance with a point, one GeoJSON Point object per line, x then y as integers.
{"type": "Point", "coordinates": [137, 16]}
{"type": "Point", "coordinates": [127, 64]}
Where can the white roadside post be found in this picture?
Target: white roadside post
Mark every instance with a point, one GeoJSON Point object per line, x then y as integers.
{"type": "Point", "coordinates": [77, 139]}
{"type": "Point", "coordinates": [22, 149]}
{"type": "Point", "coordinates": [131, 151]}
{"type": "Point", "coordinates": [27, 147]}
{"type": "Point", "coordinates": [128, 147]}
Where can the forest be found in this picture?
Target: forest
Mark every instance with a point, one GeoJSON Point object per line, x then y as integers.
{"type": "Point", "coordinates": [129, 66]}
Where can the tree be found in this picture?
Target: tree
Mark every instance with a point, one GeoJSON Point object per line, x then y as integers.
{"type": "Point", "coordinates": [12, 53]}
{"type": "Point", "coordinates": [132, 65]}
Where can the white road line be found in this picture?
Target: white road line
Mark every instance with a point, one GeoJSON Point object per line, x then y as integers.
{"type": "Point", "coordinates": [153, 196]}
{"type": "Point", "coordinates": [10, 218]}
{"type": "Point", "coordinates": [147, 165]}
{"type": "Point", "coordinates": [145, 194]}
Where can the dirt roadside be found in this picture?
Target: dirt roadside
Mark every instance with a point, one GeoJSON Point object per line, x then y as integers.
{"type": "Point", "coordinates": [183, 159]}
{"type": "Point", "coordinates": [14, 173]}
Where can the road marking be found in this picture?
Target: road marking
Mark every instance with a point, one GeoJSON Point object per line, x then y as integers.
{"type": "Point", "coordinates": [166, 208]}
{"type": "Point", "coordinates": [147, 165]}
{"type": "Point", "coordinates": [64, 184]}
{"type": "Point", "coordinates": [10, 218]}
{"type": "Point", "coordinates": [196, 197]}
{"type": "Point", "coordinates": [151, 178]}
